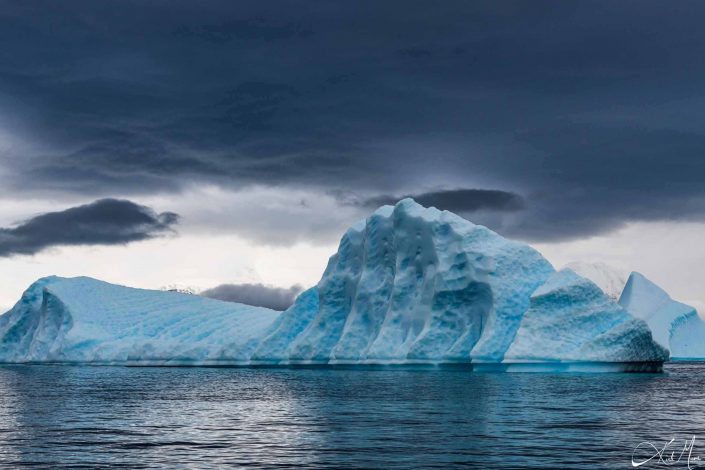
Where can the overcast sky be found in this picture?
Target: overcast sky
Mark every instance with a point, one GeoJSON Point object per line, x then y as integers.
{"type": "Point", "coordinates": [206, 143]}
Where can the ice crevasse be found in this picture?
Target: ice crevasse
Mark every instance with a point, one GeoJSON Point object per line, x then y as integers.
{"type": "Point", "coordinates": [407, 285]}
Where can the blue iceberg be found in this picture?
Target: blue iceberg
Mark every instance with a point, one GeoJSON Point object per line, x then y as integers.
{"type": "Point", "coordinates": [407, 285]}
{"type": "Point", "coordinates": [415, 284]}
{"type": "Point", "coordinates": [83, 320]}
{"type": "Point", "coordinates": [571, 320]}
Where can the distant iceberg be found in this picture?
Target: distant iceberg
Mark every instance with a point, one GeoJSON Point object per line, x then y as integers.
{"type": "Point", "coordinates": [675, 325]}
{"type": "Point", "coordinates": [608, 278]}
{"type": "Point", "coordinates": [407, 285]}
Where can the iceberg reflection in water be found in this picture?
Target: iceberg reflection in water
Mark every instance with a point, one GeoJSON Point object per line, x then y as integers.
{"type": "Point", "coordinates": [340, 418]}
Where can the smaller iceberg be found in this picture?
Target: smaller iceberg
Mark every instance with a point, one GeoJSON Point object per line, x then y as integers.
{"type": "Point", "coordinates": [571, 320]}
{"type": "Point", "coordinates": [675, 325]}
{"type": "Point", "coordinates": [83, 320]}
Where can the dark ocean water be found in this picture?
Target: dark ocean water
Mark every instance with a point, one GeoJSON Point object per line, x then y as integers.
{"type": "Point", "coordinates": [59, 416]}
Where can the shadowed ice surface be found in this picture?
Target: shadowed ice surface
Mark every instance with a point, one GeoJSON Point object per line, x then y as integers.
{"type": "Point", "coordinates": [341, 418]}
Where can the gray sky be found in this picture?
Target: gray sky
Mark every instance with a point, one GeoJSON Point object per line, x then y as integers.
{"type": "Point", "coordinates": [216, 143]}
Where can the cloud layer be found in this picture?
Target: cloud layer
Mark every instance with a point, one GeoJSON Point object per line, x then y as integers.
{"type": "Point", "coordinates": [458, 200]}
{"type": "Point", "coordinates": [588, 124]}
{"type": "Point", "coordinates": [259, 295]}
{"type": "Point", "coordinates": [103, 222]}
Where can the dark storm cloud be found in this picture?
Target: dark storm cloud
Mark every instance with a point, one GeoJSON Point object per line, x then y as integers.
{"type": "Point", "coordinates": [592, 114]}
{"type": "Point", "coordinates": [252, 29]}
{"type": "Point", "coordinates": [458, 200]}
{"type": "Point", "coordinates": [259, 295]}
{"type": "Point", "coordinates": [103, 222]}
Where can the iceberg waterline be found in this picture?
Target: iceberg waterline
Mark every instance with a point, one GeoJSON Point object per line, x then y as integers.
{"type": "Point", "coordinates": [407, 285]}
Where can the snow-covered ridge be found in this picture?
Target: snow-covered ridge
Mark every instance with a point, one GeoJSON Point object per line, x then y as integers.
{"type": "Point", "coordinates": [407, 285]}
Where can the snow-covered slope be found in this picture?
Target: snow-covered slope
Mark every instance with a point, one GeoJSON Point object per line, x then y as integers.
{"type": "Point", "coordinates": [608, 278]}
{"type": "Point", "coordinates": [571, 319]}
{"type": "Point", "coordinates": [86, 320]}
{"type": "Point", "coordinates": [674, 324]}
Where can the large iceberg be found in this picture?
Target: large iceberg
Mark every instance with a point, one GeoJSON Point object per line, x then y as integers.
{"type": "Point", "coordinates": [407, 285]}
{"type": "Point", "coordinates": [418, 284]}
{"type": "Point", "coordinates": [675, 325]}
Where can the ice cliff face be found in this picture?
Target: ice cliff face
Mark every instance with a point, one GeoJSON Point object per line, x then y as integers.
{"type": "Point", "coordinates": [86, 320]}
{"type": "Point", "coordinates": [571, 319]}
{"type": "Point", "coordinates": [407, 285]}
{"type": "Point", "coordinates": [675, 325]}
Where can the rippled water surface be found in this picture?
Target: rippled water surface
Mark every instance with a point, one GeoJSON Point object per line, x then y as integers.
{"type": "Point", "coordinates": [341, 418]}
